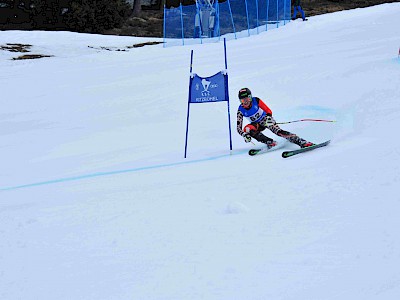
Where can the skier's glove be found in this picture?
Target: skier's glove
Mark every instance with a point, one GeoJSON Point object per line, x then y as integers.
{"type": "Point", "coordinates": [269, 121]}
{"type": "Point", "coordinates": [247, 137]}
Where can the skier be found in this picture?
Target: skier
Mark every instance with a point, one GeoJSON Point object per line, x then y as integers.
{"type": "Point", "coordinates": [260, 117]}
{"type": "Point", "coordinates": [297, 8]}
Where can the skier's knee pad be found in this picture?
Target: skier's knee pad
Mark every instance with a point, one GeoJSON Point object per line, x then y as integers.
{"type": "Point", "coordinates": [250, 129]}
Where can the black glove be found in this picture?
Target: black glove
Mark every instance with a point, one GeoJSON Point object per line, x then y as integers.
{"type": "Point", "coordinates": [247, 137]}
{"type": "Point", "coordinates": [269, 121]}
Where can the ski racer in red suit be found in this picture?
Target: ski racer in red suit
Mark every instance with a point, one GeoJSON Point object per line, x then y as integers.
{"type": "Point", "coordinates": [260, 117]}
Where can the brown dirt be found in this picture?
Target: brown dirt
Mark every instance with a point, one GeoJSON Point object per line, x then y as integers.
{"type": "Point", "coordinates": [31, 56]}
{"type": "Point", "coordinates": [16, 47]}
{"type": "Point", "coordinates": [21, 48]}
{"type": "Point", "coordinates": [24, 48]}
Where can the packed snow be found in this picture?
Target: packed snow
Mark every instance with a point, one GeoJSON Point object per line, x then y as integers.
{"type": "Point", "coordinates": [97, 201]}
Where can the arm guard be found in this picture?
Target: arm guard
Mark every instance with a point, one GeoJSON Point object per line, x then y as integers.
{"type": "Point", "coordinates": [239, 125]}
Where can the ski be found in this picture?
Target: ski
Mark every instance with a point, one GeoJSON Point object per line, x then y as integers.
{"type": "Point", "coordinates": [265, 149]}
{"type": "Point", "coordinates": [286, 154]}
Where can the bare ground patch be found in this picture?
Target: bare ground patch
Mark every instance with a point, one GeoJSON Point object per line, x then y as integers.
{"type": "Point", "coordinates": [21, 48]}
{"type": "Point", "coordinates": [125, 48]}
{"type": "Point", "coordinates": [31, 56]}
{"type": "Point", "coordinates": [16, 47]}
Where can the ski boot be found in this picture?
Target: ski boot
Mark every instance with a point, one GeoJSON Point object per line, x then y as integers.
{"type": "Point", "coordinates": [271, 144]}
{"type": "Point", "coordinates": [306, 144]}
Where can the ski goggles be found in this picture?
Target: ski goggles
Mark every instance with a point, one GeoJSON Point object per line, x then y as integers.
{"type": "Point", "coordinates": [246, 100]}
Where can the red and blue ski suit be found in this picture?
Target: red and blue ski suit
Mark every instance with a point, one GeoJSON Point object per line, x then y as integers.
{"type": "Point", "coordinates": [257, 115]}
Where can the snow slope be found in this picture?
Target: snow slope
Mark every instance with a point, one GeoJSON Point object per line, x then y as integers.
{"type": "Point", "coordinates": [97, 201]}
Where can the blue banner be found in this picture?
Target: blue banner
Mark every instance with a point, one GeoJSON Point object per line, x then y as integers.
{"type": "Point", "coordinates": [208, 89]}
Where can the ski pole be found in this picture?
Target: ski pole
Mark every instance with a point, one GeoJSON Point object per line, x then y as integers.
{"type": "Point", "coordinates": [303, 120]}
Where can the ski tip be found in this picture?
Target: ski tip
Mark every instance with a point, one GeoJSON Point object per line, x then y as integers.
{"type": "Point", "coordinates": [253, 152]}
{"type": "Point", "coordinates": [265, 149]}
{"type": "Point", "coordinates": [287, 154]}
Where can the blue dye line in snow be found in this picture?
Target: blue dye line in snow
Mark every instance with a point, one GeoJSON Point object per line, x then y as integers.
{"type": "Point", "coordinates": [100, 174]}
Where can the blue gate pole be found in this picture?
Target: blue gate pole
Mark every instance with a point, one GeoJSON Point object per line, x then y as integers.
{"type": "Point", "coordinates": [190, 95]}
{"type": "Point", "coordinates": [227, 97]}
{"type": "Point", "coordinates": [226, 61]}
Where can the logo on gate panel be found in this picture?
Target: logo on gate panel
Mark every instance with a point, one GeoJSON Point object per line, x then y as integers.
{"type": "Point", "coordinates": [205, 84]}
{"type": "Point", "coordinates": [204, 89]}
